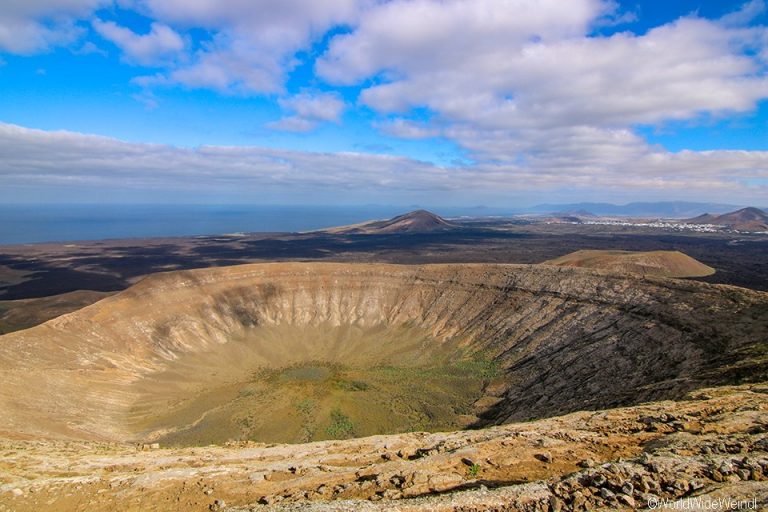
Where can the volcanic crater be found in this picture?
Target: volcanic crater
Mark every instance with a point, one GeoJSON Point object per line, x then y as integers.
{"type": "Point", "coordinates": [296, 352]}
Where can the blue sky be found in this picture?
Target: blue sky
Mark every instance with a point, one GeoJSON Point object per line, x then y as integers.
{"type": "Point", "coordinates": [459, 102]}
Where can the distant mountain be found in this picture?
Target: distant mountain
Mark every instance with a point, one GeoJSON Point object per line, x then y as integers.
{"type": "Point", "coordinates": [746, 219]}
{"type": "Point", "coordinates": [419, 221]}
{"type": "Point", "coordinates": [671, 209]}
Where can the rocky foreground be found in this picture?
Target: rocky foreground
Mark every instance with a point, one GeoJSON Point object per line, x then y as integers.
{"type": "Point", "coordinates": [712, 445]}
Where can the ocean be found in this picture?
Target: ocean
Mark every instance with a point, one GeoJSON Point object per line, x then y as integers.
{"type": "Point", "coordinates": [60, 223]}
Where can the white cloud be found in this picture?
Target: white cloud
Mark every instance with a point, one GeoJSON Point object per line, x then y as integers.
{"type": "Point", "coordinates": [253, 42]}
{"type": "Point", "coordinates": [521, 80]}
{"type": "Point", "coordinates": [41, 159]}
{"type": "Point", "coordinates": [414, 36]}
{"type": "Point", "coordinates": [315, 106]}
{"type": "Point", "coordinates": [406, 129]}
{"type": "Point", "coordinates": [37, 159]}
{"type": "Point", "coordinates": [89, 48]}
{"type": "Point", "coordinates": [674, 71]}
{"type": "Point", "coordinates": [744, 15]}
{"type": "Point", "coordinates": [524, 86]}
{"type": "Point", "coordinates": [32, 26]}
{"type": "Point", "coordinates": [308, 110]}
{"type": "Point", "coordinates": [293, 124]}
{"type": "Point", "coordinates": [146, 98]}
{"type": "Point", "coordinates": [161, 43]}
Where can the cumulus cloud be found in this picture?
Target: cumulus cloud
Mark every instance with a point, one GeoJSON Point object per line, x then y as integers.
{"type": "Point", "coordinates": [253, 43]}
{"type": "Point", "coordinates": [672, 72]}
{"type": "Point", "coordinates": [308, 110]}
{"type": "Point", "coordinates": [152, 48]}
{"type": "Point", "coordinates": [317, 106]}
{"type": "Point", "coordinates": [394, 36]}
{"type": "Point", "coordinates": [33, 26]}
{"type": "Point", "coordinates": [511, 79]}
{"type": "Point", "coordinates": [35, 158]}
{"type": "Point", "coordinates": [407, 129]}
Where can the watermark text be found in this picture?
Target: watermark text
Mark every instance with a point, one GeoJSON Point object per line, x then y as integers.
{"type": "Point", "coordinates": [702, 503]}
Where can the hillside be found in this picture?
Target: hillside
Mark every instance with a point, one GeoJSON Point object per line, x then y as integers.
{"type": "Point", "coordinates": [651, 263]}
{"type": "Point", "coordinates": [746, 219]}
{"type": "Point", "coordinates": [418, 221]}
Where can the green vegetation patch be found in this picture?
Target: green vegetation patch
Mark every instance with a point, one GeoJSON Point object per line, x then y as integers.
{"type": "Point", "coordinates": [341, 426]}
{"type": "Point", "coordinates": [319, 400]}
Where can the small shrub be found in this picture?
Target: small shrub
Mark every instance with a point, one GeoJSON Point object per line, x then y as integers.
{"type": "Point", "coordinates": [351, 385]}
{"type": "Point", "coordinates": [341, 426]}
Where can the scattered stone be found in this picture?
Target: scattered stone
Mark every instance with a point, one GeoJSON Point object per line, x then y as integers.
{"type": "Point", "coordinates": [392, 494]}
{"type": "Point", "coordinates": [578, 500]}
{"type": "Point", "coordinates": [587, 463]}
{"type": "Point", "coordinates": [726, 468]}
{"type": "Point", "coordinates": [257, 477]}
{"type": "Point", "coordinates": [442, 482]}
{"type": "Point", "coordinates": [626, 500]}
{"type": "Point", "coordinates": [545, 457]}
{"type": "Point", "coordinates": [397, 480]}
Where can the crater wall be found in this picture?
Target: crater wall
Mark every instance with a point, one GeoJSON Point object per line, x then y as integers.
{"type": "Point", "coordinates": [564, 339]}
